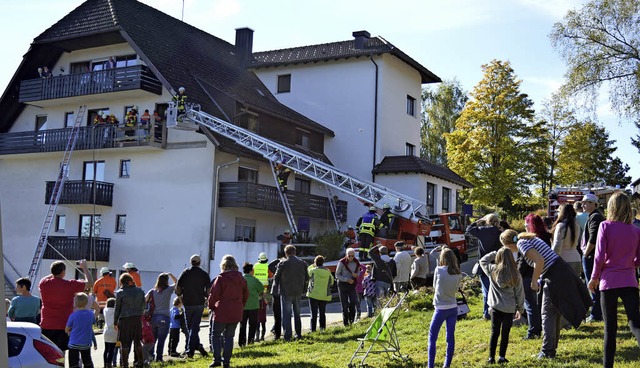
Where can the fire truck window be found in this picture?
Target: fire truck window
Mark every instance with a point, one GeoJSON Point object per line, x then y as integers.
{"type": "Point", "coordinates": [454, 223]}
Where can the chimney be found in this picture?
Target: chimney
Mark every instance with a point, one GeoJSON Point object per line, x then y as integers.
{"type": "Point", "coordinates": [244, 44]}
{"type": "Point", "coordinates": [361, 38]}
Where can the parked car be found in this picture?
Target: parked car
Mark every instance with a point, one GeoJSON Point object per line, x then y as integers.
{"type": "Point", "coordinates": [29, 348]}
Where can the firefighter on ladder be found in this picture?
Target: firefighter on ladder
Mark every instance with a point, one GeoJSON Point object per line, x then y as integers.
{"type": "Point", "coordinates": [282, 173]}
{"type": "Point", "coordinates": [181, 100]}
{"type": "Point", "coordinates": [367, 226]}
{"type": "Point", "coordinates": [386, 220]}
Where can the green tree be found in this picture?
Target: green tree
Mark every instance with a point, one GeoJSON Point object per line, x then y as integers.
{"type": "Point", "coordinates": [601, 45]}
{"type": "Point", "coordinates": [441, 108]}
{"type": "Point", "coordinates": [494, 135]}
{"type": "Point", "coordinates": [586, 157]}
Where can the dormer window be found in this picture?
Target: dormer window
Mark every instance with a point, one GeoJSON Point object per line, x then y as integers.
{"type": "Point", "coordinates": [302, 138]}
{"type": "Point", "coordinates": [284, 83]}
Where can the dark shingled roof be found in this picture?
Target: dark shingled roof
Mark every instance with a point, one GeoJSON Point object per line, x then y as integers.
{"type": "Point", "coordinates": [413, 164]}
{"type": "Point", "coordinates": [335, 51]}
{"type": "Point", "coordinates": [179, 55]}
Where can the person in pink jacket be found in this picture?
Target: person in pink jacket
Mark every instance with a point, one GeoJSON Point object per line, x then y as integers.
{"type": "Point", "coordinates": [617, 256]}
{"type": "Point", "coordinates": [227, 298]}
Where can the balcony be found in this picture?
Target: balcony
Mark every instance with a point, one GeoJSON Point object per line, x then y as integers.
{"type": "Point", "coordinates": [105, 136]}
{"type": "Point", "coordinates": [82, 192]}
{"type": "Point", "coordinates": [137, 77]}
{"type": "Point", "coordinates": [264, 197]}
{"type": "Point", "coordinates": [75, 248]}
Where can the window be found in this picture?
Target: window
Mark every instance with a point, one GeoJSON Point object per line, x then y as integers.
{"type": "Point", "coordinates": [81, 67]}
{"type": "Point", "coordinates": [303, 186]}
{"type": "Point", "coordinates": [128, 60]}
{"type": "Point", "coordinates": [61, 223]}
{"type": "Point", "coordinates": [446, 199]}
{"type": "Point", "coordinates": [93, 113]}
{"type": "Point", "coordinates": [41, 122]}
{"type": "Point", "coordinates": [411, 106]}
{"type": "Point", "coordinates": [91, 167]}
{"type": "Point", "coordinates": [431, 195]}
{"type": "Point", "coordinates": [125, 166]}
{"type": "Point", "coordinates": [302, 138]}
{"type": "Point", "coordinates": [90, 225]}
{"type": "Point", "coordinates": [69, 119]}
{"type": "Point", "coordinates": [245, 230]}
{"type": "Point", "coordinates": [284, 83]}
{"type": "Point", "coordinates": [409, 150]}
{"type": "Point", "coordinates": [121, 223]}
{"type": "Point", "coordinates": [247, 175]}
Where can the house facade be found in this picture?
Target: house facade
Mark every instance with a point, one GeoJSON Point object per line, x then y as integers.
{"type": "Point", "coordinates": [368, 92]}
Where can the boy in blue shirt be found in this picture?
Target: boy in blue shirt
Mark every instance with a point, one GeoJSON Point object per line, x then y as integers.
{"type": "Point", "coordinates": [174, 327]}
{"type": "Point", "coordinates": [80, 330]}
{"type": "Point", "coordinates": [24, 307]}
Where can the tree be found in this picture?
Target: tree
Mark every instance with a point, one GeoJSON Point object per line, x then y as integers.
{"type": "Point", "coordinates": [586, 157]}
{"type": "Point", "coordinates": [601, 44]}
{"type": "Point", "coordinates": [494, 135]}
{"type": "Point", "coordinates": [440, 110]}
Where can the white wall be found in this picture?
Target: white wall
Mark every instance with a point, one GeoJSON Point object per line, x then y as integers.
{"type": "Point", "coordinates": [416, 187]}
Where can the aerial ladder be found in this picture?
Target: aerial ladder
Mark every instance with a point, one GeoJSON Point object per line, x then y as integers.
{"type": "Point", "coordinates": [56, 193]}
{"type": "Point", "coordinates": [312, 168]}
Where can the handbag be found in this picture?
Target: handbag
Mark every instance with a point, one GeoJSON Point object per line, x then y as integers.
{"type": "Point", "coordinates": [463, 307]}
{"type": "Point", "coordinates": [150, 306]}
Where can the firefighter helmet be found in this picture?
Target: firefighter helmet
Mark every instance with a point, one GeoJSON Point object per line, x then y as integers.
{"type": "Point", "coordinates": [385, 206]}
{"type": "Point", "coordinates": [181, 89]}
{"type": "Point", "coordinates": [372, 208]}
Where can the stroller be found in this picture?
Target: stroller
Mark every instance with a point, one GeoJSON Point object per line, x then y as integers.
{"type": "Point", "coordinates": [381, 336]}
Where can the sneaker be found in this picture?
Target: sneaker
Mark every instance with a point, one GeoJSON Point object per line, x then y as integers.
{"type": "Point", "coordinates": [543, 355]}
{"type": "Point", "coordinates": [491, 361]}
{"type": "Point", "coordinates": [502, 360]}
{"type": "Point", "coordinates": [593, 319]}
{"type": "Point", "coordinates": [174, 355]}
{"type": "Point", "coordinates": [531, 337]}
{"type": "Point", "coordinates": [215, 364]}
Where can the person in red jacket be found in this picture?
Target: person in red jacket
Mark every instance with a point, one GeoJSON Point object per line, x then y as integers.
{"type": "Point", "coordinates": [226, 301]}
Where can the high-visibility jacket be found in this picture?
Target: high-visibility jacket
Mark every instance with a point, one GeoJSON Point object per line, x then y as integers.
{"type": "Point", "coordinates": [132, 118]}
{"type": "Point", "coordinates": [386, 219]}
{"type": "Point", "coordinates": [180, 101]}
{"type": "Point", "coordinates": [261, 272]}
{"type": "Point", "coordinates": [368, 224]}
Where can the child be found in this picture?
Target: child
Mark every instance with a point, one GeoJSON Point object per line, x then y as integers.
{"type": "Point", "coordinates": [505, 297]}
{"type": "Point", "coordinates": [176, 317]}
{"type": "Point", "coordinates": [262, 319]}
{"type": "Point", "coordinates": [110, 334]}
{"type": "Point", "coordinates": [369, 286]}
{"type": "Point", "coordinates": [359, 290]}
{"type": "Point", "coordinates": [148, 339]}
{"type": "Point", "coordinates": [446, 281]}
{"type": "Point", "coordinates": [24, 307]}
{"type": "Point", "coordinates": [80, 330]}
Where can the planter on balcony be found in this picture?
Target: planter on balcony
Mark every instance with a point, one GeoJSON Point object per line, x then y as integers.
{"type": "Point", "coordinates": [82, 192]}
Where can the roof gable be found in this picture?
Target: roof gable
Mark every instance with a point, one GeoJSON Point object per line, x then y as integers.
{"type": "Point", "coordinates": [413, 164]}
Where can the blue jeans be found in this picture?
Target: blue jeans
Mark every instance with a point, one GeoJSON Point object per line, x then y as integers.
{"type": "Point", "coordinates": [371, 301]}
{"type": "Point", "coordinates": [484, 282]}
{"type": "Point", "coordinates": [532, 308]}
{"type": "Point", "coordinates": [223, 332]}
{"type": "Point", "coordinates": [193, 319]}
{"type": "Point", "coordinates": [160, 324]}
{"type": "Point", "coordinates": [587, 265]}
{"type": "Point", "coordinates": [287, 303]}
{"type": "Point", "coordinates": [382, 288]}
{"type": "Point", "coordinates": [439, 317]}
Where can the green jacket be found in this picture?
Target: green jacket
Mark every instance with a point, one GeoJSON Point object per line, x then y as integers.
{"type": "Point", "coordinates": [320, 282]}
{"type": "Point", "coordinates": [255, 289]}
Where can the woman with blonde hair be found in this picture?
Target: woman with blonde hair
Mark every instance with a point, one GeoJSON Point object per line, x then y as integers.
{"type": "Point", "coordinates": [563, 293]}
{"type": "Point", "coordinates": [617, 256]}
{"type": "Point", "coordinates": [446, 281]}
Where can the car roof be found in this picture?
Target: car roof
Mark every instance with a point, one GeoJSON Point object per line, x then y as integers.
{"type": "Point", "coordinates": [31, 329]}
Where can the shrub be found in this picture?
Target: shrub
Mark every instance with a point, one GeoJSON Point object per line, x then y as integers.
{"type": "Point", "coordinates": [329, 244]}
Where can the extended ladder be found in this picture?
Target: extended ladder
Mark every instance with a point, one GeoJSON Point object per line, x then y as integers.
{"type": "Point", "coordinates": [333, 204]}
{"type": "Point", "coordinates": [285, 202]}
{"type": "Point", "coordinates": [55, 196]}
{"type": "Point", "coordinates": [368, 192]}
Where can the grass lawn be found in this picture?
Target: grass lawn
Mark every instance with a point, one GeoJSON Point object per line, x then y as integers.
{"type": "Point", "coordinates": [335, 346]}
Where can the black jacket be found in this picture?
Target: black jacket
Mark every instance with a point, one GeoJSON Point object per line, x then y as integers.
{"type": "Point", "coordinates": [193, 285]}
{"type": "Point", "coordinates": [568, 292]}
{"type": "Point", "coordinates": [381, 271]}
{"type": "Point", "coordinates": [291, 276]}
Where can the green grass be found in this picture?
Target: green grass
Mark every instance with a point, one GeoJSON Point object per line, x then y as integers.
{"type": "Point", "coordinates": [334, 347]}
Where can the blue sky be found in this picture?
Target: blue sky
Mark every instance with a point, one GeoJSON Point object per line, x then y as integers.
{"type": "Point", "coordinates": [451, 38]}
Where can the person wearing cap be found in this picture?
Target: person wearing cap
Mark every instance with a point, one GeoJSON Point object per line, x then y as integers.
{"type": "Point", "coordinates": [193, 287]}
{"type": "Point", "coordinates": [403, 267]}
{"type": "Point", "coordinates": [588, 245]}
{"type": "Point", "coordinates": [104, 288]}
{"type": "Point", "coordinates": [261, 270]}
{"type": "Point", "coordinates": [133, 271]}
{"type": "Point", "coordinates": [367, 226]}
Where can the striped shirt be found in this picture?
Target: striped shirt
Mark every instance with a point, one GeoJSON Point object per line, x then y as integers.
{"type": "Point", "coordinates": [543, 248]}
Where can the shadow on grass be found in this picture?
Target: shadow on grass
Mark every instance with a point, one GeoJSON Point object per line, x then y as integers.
{"type": "Point", "coordinates": [252, 354]}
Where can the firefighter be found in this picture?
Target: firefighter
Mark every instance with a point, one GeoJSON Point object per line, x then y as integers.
{"type": "Point", "coordinates": [285, 239]}
{"type": "Point", "coordinates": [261, 270]}
{"type": "Point", "coordinates": [282, 173]}
{"type": "Point", "coordinates": [99, 120]}
{"type": "Point", "coordinates": [367, 226]}
{"type": "Point", "coordinates": [386, 220]}
{"type": "Point", "coordinates": [131, 121]}
{"type": "Point", "coordinates": [180, 99]}
{"type": "Point", "coordinates": [349, 237]}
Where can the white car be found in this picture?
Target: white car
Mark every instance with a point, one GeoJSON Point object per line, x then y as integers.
{"type": "Point", "coordinates": [29, 348]}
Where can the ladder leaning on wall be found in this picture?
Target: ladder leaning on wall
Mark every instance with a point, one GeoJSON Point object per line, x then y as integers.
{"type": "Point", "coordinates": [55, 196]}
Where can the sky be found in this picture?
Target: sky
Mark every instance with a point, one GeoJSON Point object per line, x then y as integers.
{"type": "Point", "coordinates": [453, 38]}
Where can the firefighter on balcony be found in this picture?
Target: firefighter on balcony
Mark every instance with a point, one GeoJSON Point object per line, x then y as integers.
{"type": "Point", "coordinates": [181, 100]}
{"type": "Point", "coordinates": [367, 226]}
{"type": "Point", "coordinates": [282, 173]}
{"type": "Point", "coordinates": [100, 132]}
{"type": "Point", "coordinates": [131, 122]}
{"type": "Point", "coordinates": [145, 120]}
{"type": "Point", "coordinates": [386, 221]}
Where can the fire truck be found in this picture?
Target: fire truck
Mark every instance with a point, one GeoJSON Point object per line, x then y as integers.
{"type": "Point", "coordinates": [561, 195]}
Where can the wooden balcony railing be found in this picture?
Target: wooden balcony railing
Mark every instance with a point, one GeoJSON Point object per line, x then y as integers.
{"type": "Point", "coordinates": [82, 84]}
{"type": "Point", "coordinates": [100, 136]}
{"type": "Point", "coordinates": [82, 192]}
{"type": "Point", "coordinates": [75, 248]}
{"type": "Point", "coordinates": [264, 197]}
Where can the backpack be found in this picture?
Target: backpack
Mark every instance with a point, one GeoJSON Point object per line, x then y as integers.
{"type": "Point", "coordinates": [393, 268]}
